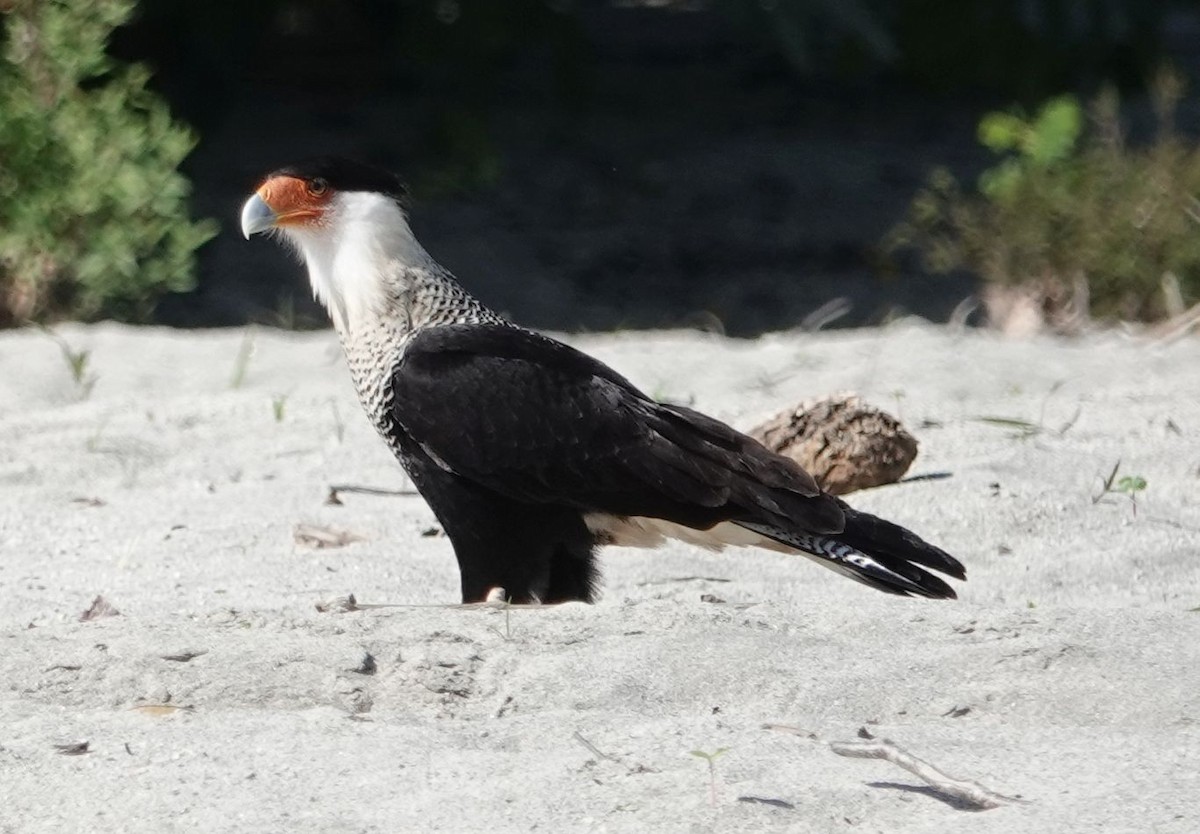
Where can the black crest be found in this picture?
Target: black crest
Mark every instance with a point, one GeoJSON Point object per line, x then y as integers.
{"type": "Point", "coordinates": [346, 175]}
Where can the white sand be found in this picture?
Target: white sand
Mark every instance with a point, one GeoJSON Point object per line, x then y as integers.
{"type": "Point", "coordinates": [1072, 659]}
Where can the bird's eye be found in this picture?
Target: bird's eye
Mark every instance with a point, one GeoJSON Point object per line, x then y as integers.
{"type": "Point", "coordinates": [317, 187]}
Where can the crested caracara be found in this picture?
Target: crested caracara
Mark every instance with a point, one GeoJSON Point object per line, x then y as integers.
{"type": "Point", "coordinates": [531, 453]}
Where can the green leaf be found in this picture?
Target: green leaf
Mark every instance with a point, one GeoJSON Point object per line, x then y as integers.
{"type": "Point", "coordinates": [1131, 484]}
{"type": "Point", "coordinates": [1001, 132]}
{"type": "Point", "coordinates": [1001, 182]}
{"type": "Point", "coordinates": [1055, 131]}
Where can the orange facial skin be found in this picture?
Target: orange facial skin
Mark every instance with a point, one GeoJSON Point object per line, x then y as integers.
{"type": "Point", "coordinates": [295, 201]}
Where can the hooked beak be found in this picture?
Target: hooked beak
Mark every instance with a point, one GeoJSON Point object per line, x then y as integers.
{"type": "Point", "coordinates": [257, 216]}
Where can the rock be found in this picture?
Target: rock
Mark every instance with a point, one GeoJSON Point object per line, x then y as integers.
{"type": "Point", "coordinates": [841, 441]}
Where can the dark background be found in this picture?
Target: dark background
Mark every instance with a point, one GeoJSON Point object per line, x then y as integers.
{"type": "Point", "coordinates": [730, 164]}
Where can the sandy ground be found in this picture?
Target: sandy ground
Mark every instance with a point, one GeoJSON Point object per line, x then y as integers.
{"type": "Point", "coordinates": [1066, 674]}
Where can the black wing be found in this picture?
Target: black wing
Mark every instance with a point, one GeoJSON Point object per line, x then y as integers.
{"type": "Point", "coordinates": [537, 421]}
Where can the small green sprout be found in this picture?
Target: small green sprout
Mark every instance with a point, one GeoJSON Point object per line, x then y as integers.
{"type": "Point", "coordinates": [711, 758]}
{"type": "Point", "coordinates": [1129, 485]}
{"type": "Point", "coordinates": [77, 363]}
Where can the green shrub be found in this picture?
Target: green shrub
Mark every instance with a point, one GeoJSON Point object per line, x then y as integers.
{"type": "Point", "coordinates": [1072, 216]}
{"type": "Point", "coordinates": [93, 211]}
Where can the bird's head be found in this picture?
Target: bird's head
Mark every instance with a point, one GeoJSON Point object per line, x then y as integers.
{"type": "Point", "coordinates": [317, 196]}
{"type": "Point", "coordinates": [345, 219]}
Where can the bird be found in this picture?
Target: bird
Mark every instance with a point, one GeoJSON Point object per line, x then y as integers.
{"type": "Point", "coordinates": [532, 454]}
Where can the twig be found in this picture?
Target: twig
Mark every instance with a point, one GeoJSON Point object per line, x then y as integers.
{"type": "Point", "coordinates": [969, 793]}
{"type": "Point", "coordinates": [336, 489]}
{"type": "Point", "coordinates": [1021, 428]}
{"type": "Point", "coordinates": [634, 768]}
{"type": "Point", "coordinates": [1106, 488]}
{"type": "Point", "coordinates": [348, 602]}
{"type": "Point", "coordinates": [925, 476]}
{"type": "Point", "coordinates": [673, 579]}
{"type": "Point", "coordinates": [961, 312]}
{"type": "Point", "coordinates": [597, 752]}
{"type": "Point", "coordinates": [796, 731]}
{"type": "Point", "coordinates": [827, 313]}
{"type": "Point", "coordinates": [310, 535]}
{"type": "Point", "coordinates": [1067, 426]}
{"type": "Point", "coordinates": [1178, 326]}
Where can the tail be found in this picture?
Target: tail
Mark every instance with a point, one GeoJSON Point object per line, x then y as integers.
{"type": "Point", "coordinates": [875, 552]}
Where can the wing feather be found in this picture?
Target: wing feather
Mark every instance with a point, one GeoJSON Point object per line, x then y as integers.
{"type": "Point", "coordinates": [538, 421]}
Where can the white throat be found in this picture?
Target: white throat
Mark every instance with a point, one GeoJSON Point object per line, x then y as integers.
{"type": "Point", "coordinates": [357, 256]}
